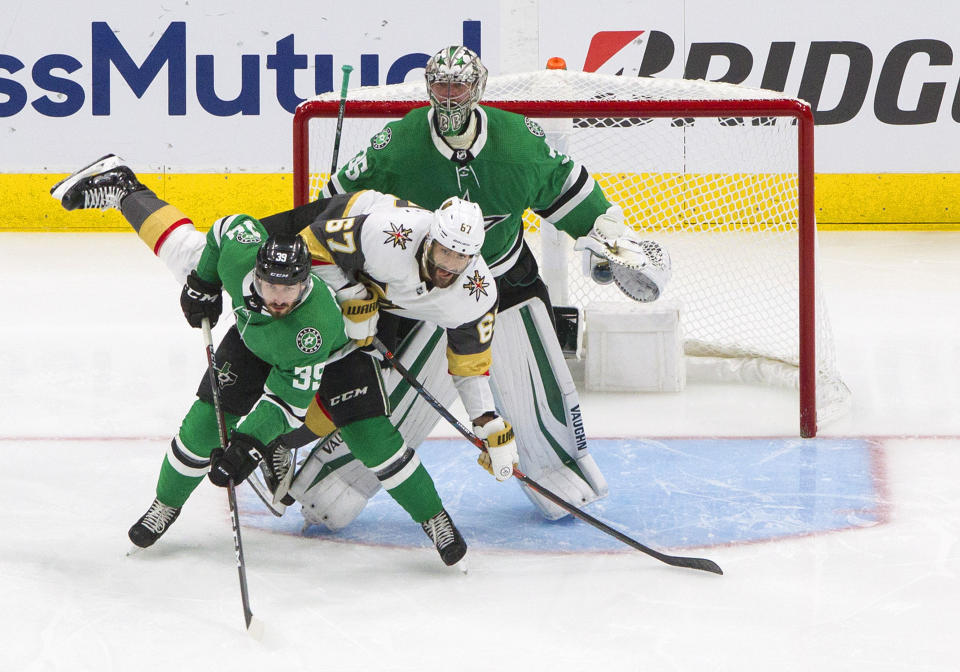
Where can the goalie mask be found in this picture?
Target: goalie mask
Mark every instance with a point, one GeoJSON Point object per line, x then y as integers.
{"type": "Point", "coordinates": [455, 238]}
{"type": "Point", "coordinates": [455, 82]}
{"type": "Point", "coordinates": [282, 272]}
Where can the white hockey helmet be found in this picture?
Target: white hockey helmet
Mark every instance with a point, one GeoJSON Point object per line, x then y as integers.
{"type": "Point", "coordinates": [455, 238]}
{"type": "Point", "coordinates": [455, 82]}
{"type": "Point", "coordinates": [458, 225]}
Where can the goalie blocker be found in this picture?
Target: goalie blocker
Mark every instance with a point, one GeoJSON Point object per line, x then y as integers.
{"type": "Point", "coordinates": [333, 487]}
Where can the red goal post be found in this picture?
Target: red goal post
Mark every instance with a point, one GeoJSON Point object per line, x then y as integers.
{"type": "Point", "coordinates": [665, 163]}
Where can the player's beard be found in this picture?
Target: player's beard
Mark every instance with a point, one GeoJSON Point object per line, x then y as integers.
{"type": "Point", "coordinates": [442, 279]}
{"type": "Point", "coordinates": [278, 310]}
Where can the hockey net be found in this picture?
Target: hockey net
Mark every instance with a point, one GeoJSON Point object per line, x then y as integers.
{"type": "Point", "coordinates": [721, 175]}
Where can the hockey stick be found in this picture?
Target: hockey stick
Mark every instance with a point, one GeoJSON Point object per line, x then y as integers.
{"type": "Point", "coordinates": [674, 560]}
{"type": "Point", "coordinates": [254, 627]}
{"type": "Point", "coordinates": [347, 69]}
{"type": "Point", "coordinates": [263, 492]}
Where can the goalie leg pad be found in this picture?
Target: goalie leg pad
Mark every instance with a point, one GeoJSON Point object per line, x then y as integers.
{"type": "Point", "coordinates": [423, 353]}
{"type": "Point", "coordinates": [333, 486]}
{"type": "Point", "coordinates": [535, 392]}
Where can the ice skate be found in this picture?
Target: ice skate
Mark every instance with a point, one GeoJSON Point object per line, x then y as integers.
{"type": "Point", "coordinates": [153, 524]}
{"type": "Point", "coordinates": [277, 471]}
{"type": "Point", "coordinates": [446, 537]}
{"type": "Point", "coordinates": [102, 185]}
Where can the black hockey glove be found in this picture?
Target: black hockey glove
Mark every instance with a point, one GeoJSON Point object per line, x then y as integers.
{"type": "Point", "coordinates": [238, 461]}
{"type": "Point", "coordinates": [200, 299]}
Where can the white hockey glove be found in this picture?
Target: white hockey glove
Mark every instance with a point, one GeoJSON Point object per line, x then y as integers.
{"type": "Point", "coordinates": [641, 268]}
{"type": "Point", "coordinates": [501, 455]}
{"type": "Point", "coordinates": [360, 313]}
{"type": "Point", "coordinates": [607, 230]}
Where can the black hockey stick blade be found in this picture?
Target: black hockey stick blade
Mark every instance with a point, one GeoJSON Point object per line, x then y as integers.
{"type": "Point", "coordinates": [674, 560]}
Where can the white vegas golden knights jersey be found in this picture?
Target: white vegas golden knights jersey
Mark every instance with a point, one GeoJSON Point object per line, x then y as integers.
{"type": "Point", "coordinates": [376, 239]}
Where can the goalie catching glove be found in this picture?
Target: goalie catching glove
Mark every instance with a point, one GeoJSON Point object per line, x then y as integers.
{"type": "Point", "coordinates": [501, 455]}
{"type": "Point", "coordinates": [200, 299]}
{"type": "Point", "coordinates": [236, 462]}
{"type": "Point", "coordinates": [360, 313]}
{"type": "Point", "coordinates": [641, 268]}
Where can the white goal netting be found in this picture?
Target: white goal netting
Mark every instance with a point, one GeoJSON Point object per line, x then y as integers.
{"type": "Point", "coordinates": [721, 175]}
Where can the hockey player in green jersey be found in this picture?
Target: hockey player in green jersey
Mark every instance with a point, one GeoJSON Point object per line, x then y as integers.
{"type": "Point", "coordinates": [501, 161]}
{"type": "Point", "coordinates": [288, 345]}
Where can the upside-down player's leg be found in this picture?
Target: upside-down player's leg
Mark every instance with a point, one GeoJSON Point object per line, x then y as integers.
{"type": "Point", "coordinates": [534, 389]}
{"type": "Point", "coordinates": [109, 183]}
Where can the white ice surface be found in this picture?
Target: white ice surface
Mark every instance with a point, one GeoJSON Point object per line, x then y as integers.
{"type": "Point", "coordinates": [98, 368]}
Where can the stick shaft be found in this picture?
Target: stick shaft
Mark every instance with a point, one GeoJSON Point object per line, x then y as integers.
{"type": "Point", "coordinates": [347, 69]}
{"type": "Point", "coordinates": [231, 490]}
{"type": "Point", "coordinates": [676, 561]}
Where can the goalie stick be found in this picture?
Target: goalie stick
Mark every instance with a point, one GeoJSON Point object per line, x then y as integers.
{"type": "Point", "coordinates": [254, 626]}
{"type": "Point", "coordinates": [674, 560]}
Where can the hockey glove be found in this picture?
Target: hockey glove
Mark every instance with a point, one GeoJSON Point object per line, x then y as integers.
{"type": "Point", "coordinates": [200, 299]}
{"type": "Point", "coordinates": [360, 313]}
{"type": "Point", "coordinates": [613, 253]}
{"type": "Point", "coordinates": [501, 454]}
{"type": "Point", "coordinates": [237, 462]}
{"type": "Point", "coordinates": [608, 229]}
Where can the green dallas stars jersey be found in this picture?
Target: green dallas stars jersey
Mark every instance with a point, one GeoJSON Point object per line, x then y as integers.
{"type": "Point", "coordinates": [295, 346]}
{"type": "Point", "coordinates": [508, 168]}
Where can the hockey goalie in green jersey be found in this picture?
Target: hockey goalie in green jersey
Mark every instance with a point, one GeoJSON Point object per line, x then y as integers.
{"type": "Point", "coordinates": [288, 345]}
{"type": "Point", "coordinates": [501, 161]}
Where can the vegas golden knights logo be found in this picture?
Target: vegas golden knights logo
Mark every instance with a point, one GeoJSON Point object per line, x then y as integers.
{"type": "Point", "coordinates": [477, 285]}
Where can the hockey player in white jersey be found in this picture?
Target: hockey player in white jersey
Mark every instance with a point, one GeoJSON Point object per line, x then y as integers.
{"type": "Point", "coordinates": [383, 255]}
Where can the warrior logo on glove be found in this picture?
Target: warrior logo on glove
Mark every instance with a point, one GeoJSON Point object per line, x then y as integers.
{"type": "Point", "coordinates": [500, 455]}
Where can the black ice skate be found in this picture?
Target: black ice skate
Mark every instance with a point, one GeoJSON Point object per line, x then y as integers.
{"type": "Point", "coordinates": [153, 523]}
{"type": "Point", "coordinates": [102, 184]}
{"type": "Point", "coordinates": [446, 537]}
{"type": "Point", "coordinates": [277, 470]}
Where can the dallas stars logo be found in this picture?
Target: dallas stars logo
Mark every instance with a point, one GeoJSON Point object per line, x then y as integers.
{"type": "Point", "coordinates": [382, 139]}
{"type": "Point", "coordinates": [534, 127]}
{"type": "Point", "coordinates": [397, 235]}
{"type": "Point", "coordinates": [491, 221]}
{"type": "Point", "coordinates": [225, 376]}
{"type": "Point", "coordinates": [309, 340]}
{"type": "Point", "coordinates": [477, 285]}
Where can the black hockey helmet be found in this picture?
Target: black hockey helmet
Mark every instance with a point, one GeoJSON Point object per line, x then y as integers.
{"type": "Point", "coordinates": [283, 260]}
